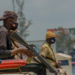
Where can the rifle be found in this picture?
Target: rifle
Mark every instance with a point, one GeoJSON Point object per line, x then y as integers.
{"type": "Point", "coordinates": [14, 36]}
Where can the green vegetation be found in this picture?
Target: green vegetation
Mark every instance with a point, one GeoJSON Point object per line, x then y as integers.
{"type": "Point", "coordinates": [64, 41]}
{"type": "Point", "coordinates": [23, 26]}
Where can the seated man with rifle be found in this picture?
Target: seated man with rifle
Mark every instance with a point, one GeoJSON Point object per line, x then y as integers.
{"type": "Point", "coordinates": [10, 23]}
{"type": "Point", "coordinates": [47, 51]}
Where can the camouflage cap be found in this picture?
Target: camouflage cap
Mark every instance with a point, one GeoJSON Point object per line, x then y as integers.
{"type": "Point", "coordinates": [9, 14]}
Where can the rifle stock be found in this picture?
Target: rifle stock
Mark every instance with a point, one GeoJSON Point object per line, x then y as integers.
{"type": "Point", "coordinates": [14, 36]}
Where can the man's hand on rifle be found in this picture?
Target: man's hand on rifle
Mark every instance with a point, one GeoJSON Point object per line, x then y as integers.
{"type": "Point", "coordinates": [22, 50]}
{"type": "Point", "coordinates": [26, 52]}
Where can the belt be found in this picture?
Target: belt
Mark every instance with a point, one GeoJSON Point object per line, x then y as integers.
{"type": "Point", "coordinates": [51, 59]}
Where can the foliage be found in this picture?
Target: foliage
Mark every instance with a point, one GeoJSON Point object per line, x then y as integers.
{"type": "Point", "coordinates": [22, 29]}
{"type": "Point", "coordinates": [64, 41]}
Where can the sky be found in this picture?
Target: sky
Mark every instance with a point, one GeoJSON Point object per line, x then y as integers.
{"type": "Point", "coordinates": [45, 14]}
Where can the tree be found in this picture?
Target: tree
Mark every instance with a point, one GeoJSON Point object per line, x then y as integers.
{"type": "Point", "coordinates": [64, 41]}
{"type": "Point", "coordinates": [22, 29]}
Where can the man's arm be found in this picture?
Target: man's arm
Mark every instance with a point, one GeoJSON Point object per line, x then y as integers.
{"type": "Point", "coordinates": [22, 50]}
{"type": "Point", "coordinates": [44, 51]}
{"type": "Point", "coordinates": [8, 53]}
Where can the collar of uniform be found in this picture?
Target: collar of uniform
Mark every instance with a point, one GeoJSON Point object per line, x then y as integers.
{"type": "Point", "coordinates": [49, 45]}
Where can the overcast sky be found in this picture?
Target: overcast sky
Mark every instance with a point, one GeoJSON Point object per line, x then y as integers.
{"type": "Point", "coordinates": [45, 14]}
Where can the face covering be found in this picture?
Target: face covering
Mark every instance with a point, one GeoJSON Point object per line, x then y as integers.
{"type": "Point", "coordinates": [14, 25]}
{"type": "Point", "coordinates": [52, 40]}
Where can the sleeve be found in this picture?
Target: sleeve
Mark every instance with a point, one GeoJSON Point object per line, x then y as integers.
{"type": "Point", "coordinates": [3, 39]}
{"type": "Point", "coordinates": [44, 51]}
{"type": "Point", "coordinates": [5, 53]}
